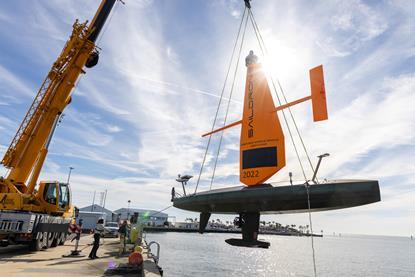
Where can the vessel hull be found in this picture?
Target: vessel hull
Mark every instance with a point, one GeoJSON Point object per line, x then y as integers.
{"type": "Point", "coordinates": [268, 199]}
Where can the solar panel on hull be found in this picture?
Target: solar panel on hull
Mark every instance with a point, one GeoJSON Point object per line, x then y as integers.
{"type": "Point", "coordinates": [259, 157]}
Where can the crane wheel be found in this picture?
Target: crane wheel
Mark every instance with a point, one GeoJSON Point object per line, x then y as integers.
{"type": "Point", "coordinates": [35, 244]}
{"type": "Point", "coordinates": [55, 239]}
{"type": "Point", "coordinates": [62, 238]}
{"type": "Point", "coordinates": [48, 239]}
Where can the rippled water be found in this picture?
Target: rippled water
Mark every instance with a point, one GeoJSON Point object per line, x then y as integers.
{"type": "Point", "coordinates": [192, 254]}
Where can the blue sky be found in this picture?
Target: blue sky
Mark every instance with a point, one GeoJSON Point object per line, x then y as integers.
{"type": "Point", "coordinates": [136, 118]}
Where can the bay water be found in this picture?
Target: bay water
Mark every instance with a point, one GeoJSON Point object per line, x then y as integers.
{"type": "Point", "coordinates": [193, 254]}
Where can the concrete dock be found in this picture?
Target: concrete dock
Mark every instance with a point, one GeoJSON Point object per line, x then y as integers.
{"type": "Point", "coordinates": [19, 261]}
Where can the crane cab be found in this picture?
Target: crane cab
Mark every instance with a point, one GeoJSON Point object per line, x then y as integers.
{"type": "Point", "coordinates": [54, 197]}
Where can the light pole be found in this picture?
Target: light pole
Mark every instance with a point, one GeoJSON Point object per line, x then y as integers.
{"type": "Point", "coordinates": [69, 174]}
{"type": "Point", "coordinates": [128, 210]}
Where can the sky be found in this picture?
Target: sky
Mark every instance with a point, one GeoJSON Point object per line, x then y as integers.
{"type": "Point", "coordinates": [136, 119]}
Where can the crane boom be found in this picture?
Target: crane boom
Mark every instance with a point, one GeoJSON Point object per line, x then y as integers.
{"type": "Point", "coordinates": [24, 153]}
{"type": "Point", "coordinates": [35, 213]}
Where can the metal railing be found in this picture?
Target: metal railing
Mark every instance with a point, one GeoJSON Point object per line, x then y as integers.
{"type": "Point", "coordinates": [151, 255]}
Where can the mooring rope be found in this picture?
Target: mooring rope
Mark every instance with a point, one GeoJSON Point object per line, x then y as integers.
{"type": "Point", "coordinates": [311, 229]}
{"type": "Point", "coordinates": [161, 210]}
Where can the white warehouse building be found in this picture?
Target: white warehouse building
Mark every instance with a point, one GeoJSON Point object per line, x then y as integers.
{"type": "Point", "coordinates": [148, 217]}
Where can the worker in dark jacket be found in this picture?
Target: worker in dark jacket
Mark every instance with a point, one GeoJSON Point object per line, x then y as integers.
{"type": "Point", "coordinates": [123, 231]}
{"type": "Point", "coordinates": [98, 231]}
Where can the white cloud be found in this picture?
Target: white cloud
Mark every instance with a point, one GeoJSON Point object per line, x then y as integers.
{"type": "Point", "coordinates": [113, 128]}
{"type": "Point", "coordinates": [137, 117]}
{"type": "Point", "coordinates": [11, 83]}
{"type": "Point", "coordinates": [351, 25]}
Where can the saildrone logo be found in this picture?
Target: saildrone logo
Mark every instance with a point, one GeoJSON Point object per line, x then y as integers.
{"type": "Point", "coordinates": [251, 109]}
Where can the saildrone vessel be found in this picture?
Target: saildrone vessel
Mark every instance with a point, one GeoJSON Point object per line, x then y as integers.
{"type": "Point", "coordinates": [262, 154]}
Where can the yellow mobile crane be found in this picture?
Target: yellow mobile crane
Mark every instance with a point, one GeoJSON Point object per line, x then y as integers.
{"type": "Point", "coordinates": [39, 213]}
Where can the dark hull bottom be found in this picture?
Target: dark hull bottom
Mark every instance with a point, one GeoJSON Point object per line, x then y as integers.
{"type": "Point", "coordinates": [283, 199]}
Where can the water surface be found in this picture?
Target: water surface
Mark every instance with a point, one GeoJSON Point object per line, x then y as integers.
{"type": "Point", "coordinates": [192, 254]}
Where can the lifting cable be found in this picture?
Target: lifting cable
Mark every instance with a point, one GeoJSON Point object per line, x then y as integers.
{"type": "Point", "coordinates": [229, 102]}
{"type": "Point", "coordinates": [220, 100]}
{"type": "Point", "coordinates": [260, 40]}
{"type": "Point", "coordinates": [265, 52]}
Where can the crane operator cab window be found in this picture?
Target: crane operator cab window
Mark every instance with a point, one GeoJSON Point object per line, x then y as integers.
{"type": "Point", "coordinates": [50, 193]}
{"type": "Point", "coordinates": [63, 195]}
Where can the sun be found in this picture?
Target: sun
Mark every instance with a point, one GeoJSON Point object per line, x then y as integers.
{"type": "Point", "coordinates": [282, 60]}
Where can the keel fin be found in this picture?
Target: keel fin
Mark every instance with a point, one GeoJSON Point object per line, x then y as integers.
{"type": "Point", "coordinates": [204, 219]}
{"type": "Point", "coordinates": [250, 228]}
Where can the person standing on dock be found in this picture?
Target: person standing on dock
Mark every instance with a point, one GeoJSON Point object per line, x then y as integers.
{"type": "Point", "coordinates": [99, 229]}
{"type": "Point", "coordinates": [123, 236]}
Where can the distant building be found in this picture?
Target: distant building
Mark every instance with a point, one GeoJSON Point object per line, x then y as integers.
{"type": "Point", "coordinates": [149, 217]}
{"type": "Point", "coordinates": [89, 219]}
{"type": "Point", "coordinates": [187, 225]}
{"type": "Point", "coordinates": [109, 215]}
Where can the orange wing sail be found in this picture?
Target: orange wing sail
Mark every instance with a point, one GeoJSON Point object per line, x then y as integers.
{"type": "Point", "coordinates": [318, 94]}
{"type": "Point", "coordinates": [262, 148]}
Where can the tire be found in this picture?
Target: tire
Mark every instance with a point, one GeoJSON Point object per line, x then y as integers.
{"type": "Point", "coordinates": [62, 238]}
{"type": "Point", "coordinates": [55, 240]}
{"type": "Point", "coordinates": [47, 239]}
{"type": "Point", "coordinates": [35, 244]}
